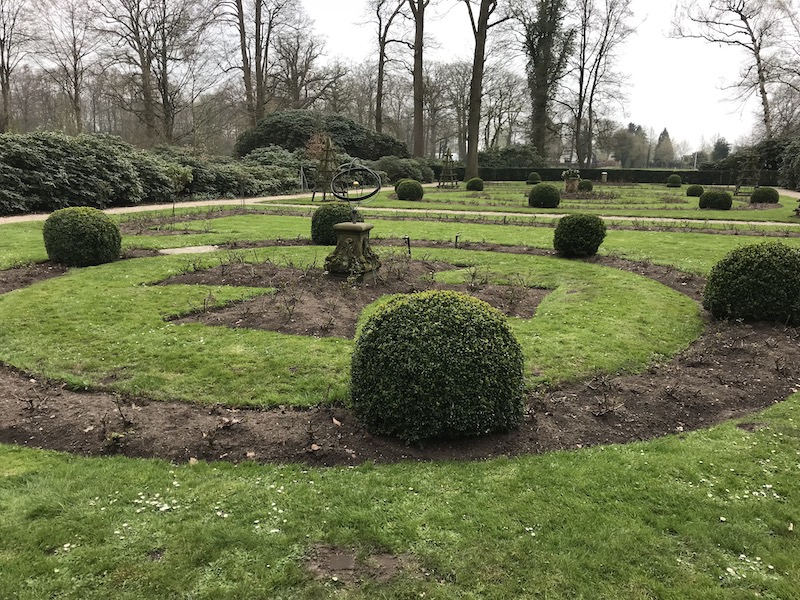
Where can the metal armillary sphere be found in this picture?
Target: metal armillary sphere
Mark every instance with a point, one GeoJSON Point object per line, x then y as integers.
{"type": "Point", "coordinates": [355, 183]}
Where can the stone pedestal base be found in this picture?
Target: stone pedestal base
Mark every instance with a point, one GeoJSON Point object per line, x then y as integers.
{"type": "Point", "coordinates": [571, 185]}
{"type": "Point", "coordinates": [353, 254]}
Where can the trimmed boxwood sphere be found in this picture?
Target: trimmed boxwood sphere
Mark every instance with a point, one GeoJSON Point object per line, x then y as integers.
{"type": "Point", "coordinates": [437, 364]}
{"type": "Point", "coordinates": [716, 200]}
{"type": "Point", "coordinates": [579, 235]}
{"type": "Point", "coordinates": [585, 185]}
{"type": "Point", "coordinates": [674, 180]}
{"type": "Point", "coordinates": [694, 191]}
{"type": "Point", "coordinates": [325, 217]}
{"type": "Point", "coordinates": [758, 282]}
{"type": "Point", "coordinates": [475, 185]}
{"type": "Point", "coordinates": [409, 189]}
{"type": "Point", "coordinates": [81, 236]}
{"type": "Point", "coordinates": [765, 195]}
{"type": "Point", "coordinates": [534, 178]}
{"type": "Point", "coordinates": [544, 195]}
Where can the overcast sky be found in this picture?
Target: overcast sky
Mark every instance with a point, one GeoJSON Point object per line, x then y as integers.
{"type": "Point", "coordinates": [673, 84]}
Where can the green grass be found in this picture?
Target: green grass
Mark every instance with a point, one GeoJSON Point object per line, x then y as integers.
{"type": "Point", "coordinates": [705, 515]}
{"type": "Point", "coordinates": [104, 327]}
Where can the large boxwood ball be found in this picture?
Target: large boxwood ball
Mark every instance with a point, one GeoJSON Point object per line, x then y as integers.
{"type": "Point", "coordinates": [758, 282]}
{"type": "Point", "coordinates": [765, 195]}
{"type": "Point", "coordinates": [674, 180]}
{"type": "Point", "coordinates": [328, 215]}
{"type": "Point", "coordinates": [716, 200]}
{"type": "Point", "coordinates": [579, 235]}
{"type": "Point", "coordinates": [694, 191]}
{"type": "Point", "coordinates": [544, 195]}
{"type": "Point", "coordinates": [534, 178]}
{"type": "Point", "coordinates": [81, 236]}
{"type": "Point", "coordinates": [437, 364]}
{"type": "Point", "coordinates": [475, 185]}
{"type": "Point", "coordinates": [410, 189]}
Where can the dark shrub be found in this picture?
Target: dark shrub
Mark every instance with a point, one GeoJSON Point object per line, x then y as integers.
{"type": "Point", "coordinates": [716, 200]}
{"type": "Point", "coordinates": [585, 185]}
{"type": "Point", "coordinates": [475, 185]}
{"type": "Point", "coordinates": [437, 364]}
{"type": "Point", "coordinates": [81, 236]}
{"type": "Point", "coordinates": [674, 180]}
{"type": "Point", "coordinates": [523, 156]}
{"type": "Point", "coordinates": [404, 168]}
{"type": "Point", "coordinates": [410, 189]}
{"type": "Point", "coordinates": [534, 178]}
{"type": "Point", "coordinates": [579, 235]}
{"type": "Point", "coordinates": [292, 130]}
{"type": "Point", "coordinates": [544, 195]}
{"type": "Point", "coordinates": [325, 217]}
{"type": "Point", "coordinates": [765, 195]}
{"type": "Point", "coordinates": [694, 191]}
{"type": "Point", "coordinates": [759, 282]}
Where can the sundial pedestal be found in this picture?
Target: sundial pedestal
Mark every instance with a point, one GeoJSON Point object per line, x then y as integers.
{"type": "Point", "coordinates": [353, 254]}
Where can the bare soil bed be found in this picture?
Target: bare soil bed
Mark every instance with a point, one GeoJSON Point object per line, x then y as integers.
{"type": "Point", "coordinates": [731, 371]}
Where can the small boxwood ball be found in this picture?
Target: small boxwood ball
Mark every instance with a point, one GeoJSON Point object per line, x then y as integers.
{"type": "Point", "coordinates": [325, 217]}
{"type": "Point", "coordinates": [716, 200]}
{"type": "Point", "coordinates": [579, 235]}
{"type": "Point", "coordinates": [475, 185]}
{"type": "Point", "coordinates": [81, 236]}
{"type": "Point", "coordinates": [409, 189]}
{"type": "Point", "coordinates": [765, 195]}
{"type": "Point", "coordinates": [674, 180]}
{"type": "Point", "coordinates": [585, 185]}
{"type": "Point", "coordinates": [694, 191]}
{"type": "Point", "coordinates": [544, 195]}
{"type": "Point", "coordinates": [534, 178]}
{"type": "Point", "coordinates": [757, 282]}
{"type": "Point", "coordinates": [437, 364]}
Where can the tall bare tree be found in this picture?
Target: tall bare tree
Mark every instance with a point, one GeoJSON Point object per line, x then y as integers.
{"type": "Point", "coordinates": [753, 26]}
{"type": "Point", "coordinates": [602, 26]}
{"type": "Point", "coordinates": [417, 8]}
{"type": "Point", "coordinates": [481, 22]}
{"type": "Point", "coordinates": [386, 16]}
{"type": "Point", "coordinates": [458, 76]}
{"type": "Point", "coordinates": [16, 36]}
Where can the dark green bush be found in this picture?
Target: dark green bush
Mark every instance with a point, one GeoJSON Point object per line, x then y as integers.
{"type": "Point", "coordinates": [544, 195]}
{"type": "Point", "coordinates": [694, 191]}
{"type": "Point", "coordinates": [437, 364]}
{"type": "Point", "coordinates": [579, 235]}
{"type": "Point", "coordinates": [759, 282]}
{"type": "Point", "coordinates": [513, 156]}
{"type": "Point", "coordinates": [410, 189]}
{"type": "Point", "coordinates": [404, 168]}
{"type": "Point", "coordinates": [534, 178]}
{"type": "Point", "coordinates": [81, 236]}
{"type": "Point", "coordinates": [674, 180]}
{"type": "Point", "coordinates": [585, 185]}
{"type": "Point", "coordinates": [716, 200]}
{"type": "Point", "coordinates": [765, 195]}
{"type": "Point", "coordinates": [328, 215]}
{"type": "Point", "coordinates": [292, 130]}
{"type": "Point", "coordinates": [475, 185]}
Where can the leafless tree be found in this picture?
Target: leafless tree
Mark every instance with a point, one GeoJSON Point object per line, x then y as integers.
{"type": "Point", "coordinates": [386, 15]}
{"type": "Point", "coordinates": [481, 22]}
{"type": "Point", "coordinates": [16, 36]}
{"type": "Point", "coordinates": [601, 27]}
{"type": "Point", "coordinates": [753, 26]}
{"type": "Point", "coordinates": [503, 106]}
{"type": "Point", "coordinates": [457, 77]}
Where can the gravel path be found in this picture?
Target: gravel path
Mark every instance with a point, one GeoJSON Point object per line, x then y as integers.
{"type": "Point", "coordinates": [280, 201]}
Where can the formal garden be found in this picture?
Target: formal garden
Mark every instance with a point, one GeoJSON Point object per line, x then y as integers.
{"type": "Point", "coordinates": [198, 435]}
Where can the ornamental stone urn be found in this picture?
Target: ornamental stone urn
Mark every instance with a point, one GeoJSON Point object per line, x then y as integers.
{"type": "Point", "coordinates": [571, 184]}
{"type": "Point", "coordinates": [353, 254]}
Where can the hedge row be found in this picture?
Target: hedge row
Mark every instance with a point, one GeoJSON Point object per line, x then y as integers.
{"type": "Point", "coordinates": [43, 172]}
{"type": "Point", "coordinates": [621, 175]}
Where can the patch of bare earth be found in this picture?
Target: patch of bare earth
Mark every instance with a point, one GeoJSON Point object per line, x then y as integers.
{"type": "Point", "coordinates": [731, 371]}
{"type": "Point", "coordinates": [342, 566]}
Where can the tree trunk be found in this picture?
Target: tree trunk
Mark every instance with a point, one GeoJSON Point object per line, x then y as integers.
{"type": "Point", "coordinates": [379, 86]}
{"type": "Point", "coordinates": [247, 73]}
{"type": "Point", "coordinates": [418, 10]}
{"type": "Point", "coordinates": [476, 89]}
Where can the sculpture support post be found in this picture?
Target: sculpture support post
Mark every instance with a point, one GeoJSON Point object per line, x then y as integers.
{"type": "Point", "coordinates": [353, 254]}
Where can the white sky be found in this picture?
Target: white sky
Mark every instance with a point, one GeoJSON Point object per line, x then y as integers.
{"type": "Point", "coordinates": [672, 83]}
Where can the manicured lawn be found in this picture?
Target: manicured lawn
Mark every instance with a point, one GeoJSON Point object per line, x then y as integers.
{"type": "Point", "coordinates": [707, 515]}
